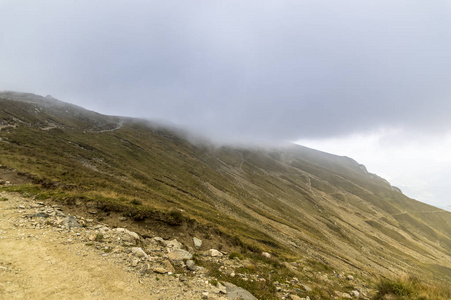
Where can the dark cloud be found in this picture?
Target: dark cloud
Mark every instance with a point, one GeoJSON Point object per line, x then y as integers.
{"type": "Point", "coordinates": [238, 70]}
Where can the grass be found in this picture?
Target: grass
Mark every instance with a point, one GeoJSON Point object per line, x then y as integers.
{"type": "Point", "coordinates": [268, 270]}
{"type": "Point", "coordinates": [411, 287]}
{"type": "Point", "coordinates": [250, 199]}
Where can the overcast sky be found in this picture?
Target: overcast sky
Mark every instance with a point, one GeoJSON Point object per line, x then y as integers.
{"type": "Point", "coordinates": [366, 79]}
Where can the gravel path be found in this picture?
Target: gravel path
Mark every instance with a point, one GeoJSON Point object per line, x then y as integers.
{"type": "Point", "coordinates": [41, 261]}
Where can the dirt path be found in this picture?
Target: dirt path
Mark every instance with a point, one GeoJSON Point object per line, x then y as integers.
{"type": "Point", "coordinates": [51, 263]}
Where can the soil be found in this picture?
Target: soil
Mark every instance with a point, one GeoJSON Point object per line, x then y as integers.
{"type": "Point", "coordinates": [49, 263]}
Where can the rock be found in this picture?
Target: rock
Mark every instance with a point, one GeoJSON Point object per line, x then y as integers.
{"type": "Point", "coordinates": [234, 292]}
{"type": "Point", "coordinates": [129, 236]}
{"type": "Point", "coordinates": [346, 296]}
{"type": "Point", "coordinates": [197, 242]}
{"type": "Point", "coordinates": [158, 239]}
{"type": "Point", "coordinates": [71, 222]}
{"type": "Point", "coordinates": [214, 253]}
{"type": "Point", "coordinates": [39, 215]}
{"type": "Point", "coordinates": [135, 262]}
{"type": "Point", "coordinates": [222, 289]}
{"type": "Point", "coordinates": [122, 219]}
{"type": "Point", "coordinates": [160, 270]}
{"type": "Point", "coordinates": [350, 277]}
{"type": "Point", "coordinates": [306, 288]}
{"type": "Point", "coordinates": [191, 265]}
{"type": "Point", "coordinates": [355, 294]}
{"type": "Point", "coordinates": [295, 297]}
{"type": "Point", "coordinates": [179, 254]}
{"type": "Point", "coordinates": [173, 244]}
{"type": "Point", "coordinates": [343, 295]}
{"type": "Point", "coordinates": [168, 266]}
{"type": "Point", "coordinates": [266, 254]}
{"type": "Point", "coordinates": [138, 252]}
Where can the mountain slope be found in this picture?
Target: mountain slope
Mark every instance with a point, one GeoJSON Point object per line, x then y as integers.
{"type": "Point", "coordinates": [291, 201]}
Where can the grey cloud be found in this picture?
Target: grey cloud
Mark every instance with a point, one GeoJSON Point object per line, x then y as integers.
{"type": "Point", "coordinates": [238, 70]}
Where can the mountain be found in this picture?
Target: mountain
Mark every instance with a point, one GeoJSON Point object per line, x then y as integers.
{"type": "Point", "coordinates": [321, 210]}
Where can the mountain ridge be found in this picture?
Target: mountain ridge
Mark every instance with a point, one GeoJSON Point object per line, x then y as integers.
{"type": "Point", "coordinates": [293, 202]}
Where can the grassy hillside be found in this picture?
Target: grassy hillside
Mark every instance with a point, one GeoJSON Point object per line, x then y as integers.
{"type": "Point", "coordinates": [294, 202]}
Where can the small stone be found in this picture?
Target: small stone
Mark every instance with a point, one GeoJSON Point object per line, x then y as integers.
{"type": "Point", "coordinates": [191, 265]}
{"type": "Point", "coordinates": [355, 293]}
{"type": "Point", "coordinates": [306, 288]}
{"type": "Point", "coordinates": [295, 297]}
{"type": "Point", "coordinates": [266, 254]}
{"type": "Point", "coordinates": [160, 270]}
{"type": "Point", "coordinates": [214, 253]}
{"type": "Point", "coordinates": [168, 266]}
{"type": "Point", "coordinates": [39, 215]}
{"type": "Point", "coordinates": [346, 296]}
{"type": "Point", "coordinates": [122, 219]}
{"type": "Point", "coordinates": [350, 277]}
{"type": "Point", "coordinates": [197, 242]}
{"type": "Point", "coordinates": [135, 262]}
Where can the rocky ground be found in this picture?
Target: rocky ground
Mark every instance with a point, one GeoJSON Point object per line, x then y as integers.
{"type": "Point", "coordinates": [48, 254]}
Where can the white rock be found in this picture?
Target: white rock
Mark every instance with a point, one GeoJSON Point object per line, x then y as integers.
{"type": "Point", "coordinates": [214, 253]}
{"type": "Point", "coordinates": [197, 242]}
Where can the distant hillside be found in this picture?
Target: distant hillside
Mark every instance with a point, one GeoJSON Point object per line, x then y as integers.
{"type": "Point", "coordinates": [293, 202]}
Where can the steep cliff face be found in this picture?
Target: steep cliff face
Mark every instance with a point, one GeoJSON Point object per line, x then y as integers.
{"type": "Point", "coordinates": [291, 201]}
